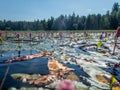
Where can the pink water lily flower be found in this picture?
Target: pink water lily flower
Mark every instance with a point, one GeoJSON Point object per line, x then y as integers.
{"type": "Point", "coordinates": [86, 34]}
{"type": "Point", "coordinates": [30, 34]}
{"type": "Point", "coordinates": [17, 35]}
{"type": "Point", "coordinates": [65, 85]}
{"type": "Point", "coordinates": [118, 32]}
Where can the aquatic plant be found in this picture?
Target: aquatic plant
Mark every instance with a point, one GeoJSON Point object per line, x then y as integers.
{"type": "Point", "coordinates": [30, 35]}
{"type": "Point", "coordinates": [99, 44]}
{"type": "Point", "coordinates": [85, 34]}
{"type": "Point", "coordinates": [18, 36]}
{"type": "Point", "coordinates": [65, 85]}
{"type": "Point", "coordinates": [116, 37]}
{"type": "Point", "coordinates": [112, 82]}
{"type": "Point", "coordinates": [118, 32]}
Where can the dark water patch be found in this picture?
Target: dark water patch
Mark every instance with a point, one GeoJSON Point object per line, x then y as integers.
{"type": "Point", "coordinates": [34, 66]}
{"type": "Point", "coordinates": [80, 51]}
{"type": "Point", "coordinates": [80, 73]}
{"type": "Point", "coordinates": [78, 70]}
{"type": "Point", "coordinates": [37, 66]}
{"type": "Point", "coordinates": [114, 71]}
{"type": "Point", "coordinates": [10, 82]}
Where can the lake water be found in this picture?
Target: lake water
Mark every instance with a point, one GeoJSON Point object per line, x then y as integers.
{"type": "Point", "coordinates": [37, 65]}
{"type": "Point", "coordinates": [34, 66]}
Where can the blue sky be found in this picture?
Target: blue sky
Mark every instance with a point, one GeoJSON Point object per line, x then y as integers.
{"type": "Point", "coordinates": [39, 9]}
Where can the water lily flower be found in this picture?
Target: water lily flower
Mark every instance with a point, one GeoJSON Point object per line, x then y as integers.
{"type": "Point", "coordinates": [17, 35]}
{"type": "Point", "coordinates": [65, 85]}
{"type": "Point", "coordinates": [116, 36]}
{"type": "Point", "coordinates": [101, 36]}
{"type": "Point", "coordinates": [106, 34]}
{"type": "Point", "coordinates": [86, 34]}
{"type": "Point", "coordinates": [118, 32]}
{"type": "Point", "coordinates": [30, 34]}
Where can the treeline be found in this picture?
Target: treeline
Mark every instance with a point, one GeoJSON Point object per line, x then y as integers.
{"type": "Point", "coordinates": [110, 20]}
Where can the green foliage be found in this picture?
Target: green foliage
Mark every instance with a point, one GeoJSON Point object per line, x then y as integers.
{"type": "Point", "coordinates": [115, 7]}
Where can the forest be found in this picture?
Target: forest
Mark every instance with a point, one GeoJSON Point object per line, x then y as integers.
{"type": "Point", "coordinates": [108, 21]}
